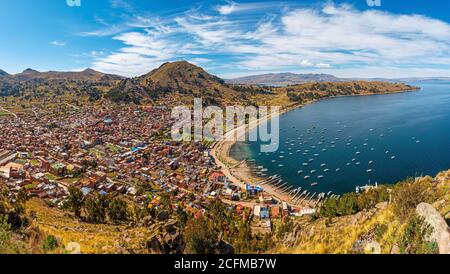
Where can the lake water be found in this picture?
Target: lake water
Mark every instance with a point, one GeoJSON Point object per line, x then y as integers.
{"type": "Point", "coordinates": [358, 140]}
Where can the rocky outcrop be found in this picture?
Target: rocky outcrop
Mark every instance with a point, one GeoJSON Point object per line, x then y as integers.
{"type": "Point", "coordinates": [440, 232]}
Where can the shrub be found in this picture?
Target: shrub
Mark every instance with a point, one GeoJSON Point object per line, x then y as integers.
{"type": "Point", "coordinates": [50, 243]}
{"type": "Point", "coordinates": [200, 237]}
{"type": "Point", "coordinates": [415, 238]}
{"type": "Point", "coordinates": [406, 198]}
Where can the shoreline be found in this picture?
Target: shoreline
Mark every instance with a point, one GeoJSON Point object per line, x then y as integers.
{"type": "Point", "coordinates": [240, 174]}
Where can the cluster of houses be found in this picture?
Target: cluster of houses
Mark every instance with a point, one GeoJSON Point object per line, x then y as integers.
{"type": "Point", "coordinates": [120, 151]}
{"type": "Point", "coordinates": [106, 151]}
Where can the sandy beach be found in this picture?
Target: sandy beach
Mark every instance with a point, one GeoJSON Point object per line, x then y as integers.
{"type": "Point", "coordinates": [240, 174]}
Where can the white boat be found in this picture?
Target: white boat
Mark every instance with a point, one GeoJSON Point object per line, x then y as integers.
{"type": "Point", "coordinates": [357, 153]}
{"type": "Point", "coordinates": [357, 163]}
{"type": "Point", "coordinates": [314, 184]}
{"type": "Point", "coordinates": [274, 161]}
{"type": "Point", "coordinates": [338, 169]}
{"type": "Point", "coordinates": [300, 171]}
{"type": "Point", "coordinates": [370, 162]}
{"type": "Point", "coordinates": [372, 149]}
{"type": "Point", "coordinates": [316, 155]}
{"type": "Point", "coordinates": [307, 177]}
{"type": "Point", "coordinates": [313, 171]}
{"type": "Point", "coordinates": [326, 170]}
{"type": "Point", "coordinates": [280, 165]}
{"type": "Point", "coordinates": [320, 177]}
{"type": "Point", "coordinates": [393, 157]}
{"type": "Point", "coordinates": [323, 165]}
{"type": "Point", "coordinates": [311, 160]}
{"type": "Point", "coordinates": [369, 170]}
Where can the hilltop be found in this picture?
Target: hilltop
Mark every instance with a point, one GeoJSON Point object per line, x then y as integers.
{"type": "Point", "coordinates": [283, 79]}
{"type": "Point", "coordinates": [177, 81]}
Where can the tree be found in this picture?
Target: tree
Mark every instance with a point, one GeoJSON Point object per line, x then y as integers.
{"type": "Point", "coordinates": [75, 201]}
{"type": "Point", "coordinates": [95, 208]}
{"type": "Point", "coordinates": [200, 237]}
{"type": "Point", "coordinates": [117, 210]}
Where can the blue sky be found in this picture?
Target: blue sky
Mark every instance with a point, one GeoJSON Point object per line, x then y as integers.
{"type": "Point", "coordinates": [229, 38]}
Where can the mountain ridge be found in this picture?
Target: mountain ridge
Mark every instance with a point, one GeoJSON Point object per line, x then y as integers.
{"type": "Point", "coordinates": [3, 73]}
{"type": "Point", "coordinates": [283, 79]}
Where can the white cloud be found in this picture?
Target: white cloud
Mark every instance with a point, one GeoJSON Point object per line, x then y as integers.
{"type": "Point", "coordinates": [233, 7]}
{"type": "Point", "coordinates": [323, 65]}
{"type": "Point", "coordinates": [330, 37]}
{"type": "Point", "coordinates": [58, 43]}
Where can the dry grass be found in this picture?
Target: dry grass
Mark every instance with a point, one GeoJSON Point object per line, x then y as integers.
{"type": "Point", "coordinates": [93, 238]}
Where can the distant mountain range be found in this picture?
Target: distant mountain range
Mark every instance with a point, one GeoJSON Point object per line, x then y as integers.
{"type": "Point", "coordinates": [176, 82]}
{"type": "Point", "coordinates": [85, 75]}
{"type": "Point", "coordinates": [46, 84]}
{"type": "Point", "coordinates": [283, 79]}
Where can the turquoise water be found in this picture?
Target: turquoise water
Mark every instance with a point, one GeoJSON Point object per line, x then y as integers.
{"type": "Point", "coordinates": [358, 140]}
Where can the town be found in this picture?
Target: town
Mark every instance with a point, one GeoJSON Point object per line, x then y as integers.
{"type": "Point", "coordinates": [126, 152]}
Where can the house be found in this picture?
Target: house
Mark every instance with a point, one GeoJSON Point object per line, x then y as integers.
{"type": "Point", "coordinates": [276, 212]}
{"type": "Point", "coordinates": [217, 177]}
{"type": "Point", "coordinates": [257, 210]}
{"type": "Point", "coordinates": [253, 190]}
{"type": "Point", "coordinates": [264, 213]}
{"type": "Point", "coordinates": [58, 169]}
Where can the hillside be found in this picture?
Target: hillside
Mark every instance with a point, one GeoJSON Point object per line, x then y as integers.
{"type": "Point", "coordinates": [34, 84]}
{"type": "Point", "coordinates": [282, 79]}
{"type": "Point", "coordinates": [3, 73]}
{"type": "Point", "coordinates": [314, 91]}
{"type": "Point", "coordinates": [412, 219]}
{"type": "Point", "coordinates": [176, 82]}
